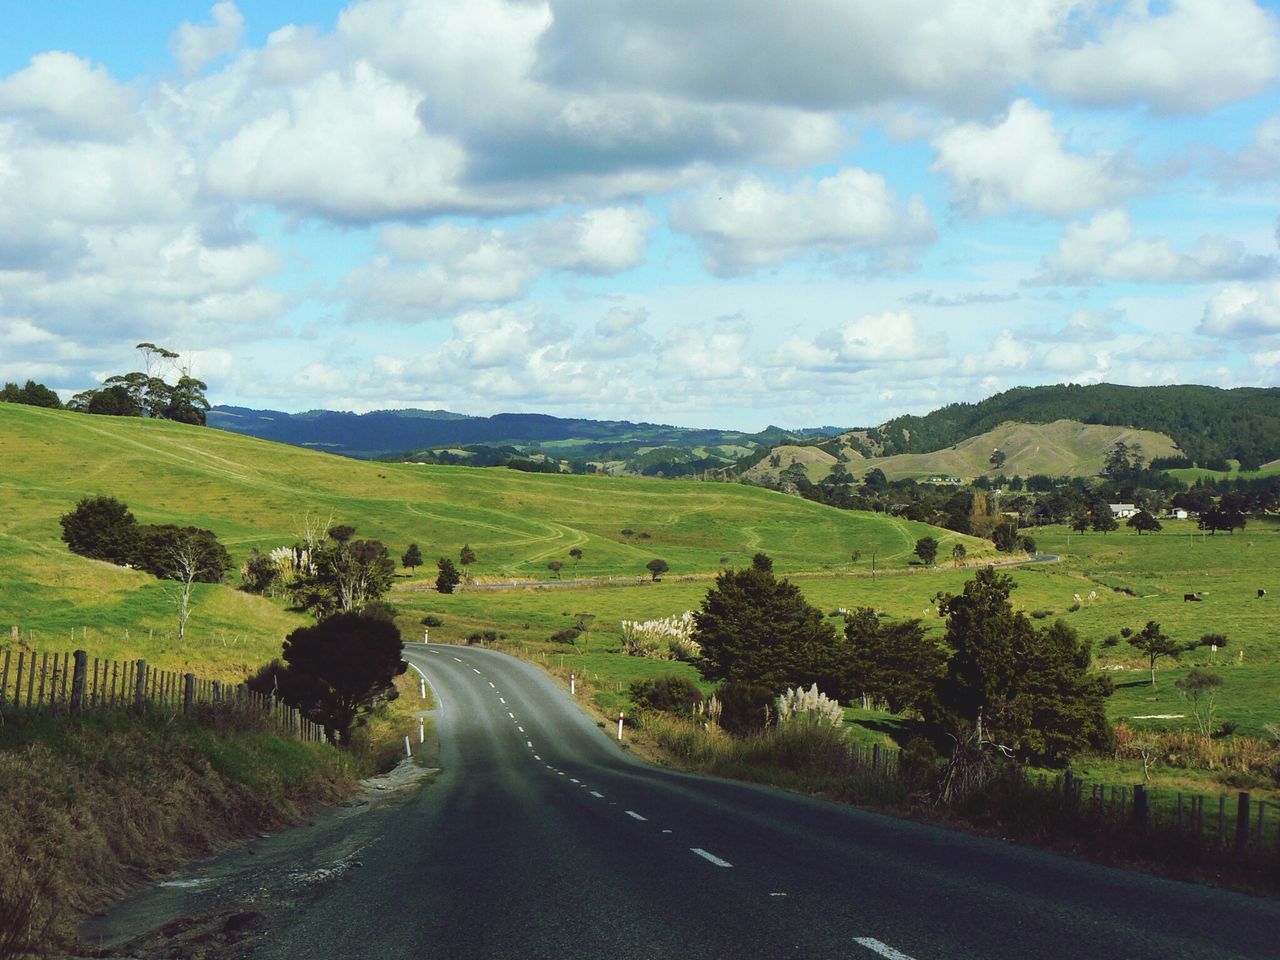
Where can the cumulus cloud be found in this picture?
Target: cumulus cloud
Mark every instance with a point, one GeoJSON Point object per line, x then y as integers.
{"type": "Point", "coordinates": [800, 53]}
{"type": "Point", "coordinates": [436, 270]}
{"type": "Point", "coordinates": [1021, 163]}
{"type": "Point", "coordinates": [195, 46]}
{"type": "Point", "coordinates": [750, 223]}
{"type": "Point", "coordinates": [1259, 160]}
{"type": "Point", "coordinates": [619, 333]}
{"type": "Point", "coordinates": [1105, 248]}
{"type": "Point", "coordinates": [1193, 55]}
{"type": "Point", "coordinates": [64, 96]}
{"type": "Point", "coordinates": [1241, 311]}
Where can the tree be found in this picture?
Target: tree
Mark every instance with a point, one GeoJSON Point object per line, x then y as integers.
{"type": "Point", "coordinates": [656, 568]}
{"type": "Point", "coordinates": [1102, 520]}
{"type": "Point", "coordinates": [576, 554]}
{"type": "Point", "coordinates": [412, 557]}
{"type": "Point", "coordinates": [763, 562]}
{"type": "Point", "coordinates": [1027, 692]}
{"type": "Point", "coordinates": [101, 528]}
{"type": "Point", "coordinates": [347, 663]}
{"type": "Point", "coordinates": [1154, 644]}
{"type": "Point", "coordinates": [466, 557]}
{"type": "Point", "coordinates": [757, 629]}
{"type": "Point", "coordinates": [342, 574]}
{"type": "Point", "coordinates": [555, 566]}
{"type": "Point", "coordinates": [958, 553]}
{"type": "Point", "coordinates": [927, 550]}
{"type": "Point", "coordinates": [191, 558]}
{"type": "Point", "coordinates": [448, 577]}
{"type": "Point", "coordinates": [895, 662]}
{"type": "Point", "coordinates": [1144, 522]}
{"type": "Point", "coordinates": [111, 401]}
{"type": "Point", "coordinates": [1200, 689]}
{"type": "Point", "coordinates": [32, 394]}
{"type": "Point", "coordinates": [1080, 522]}
{"type": "Point", "coordinates": [996, 459]}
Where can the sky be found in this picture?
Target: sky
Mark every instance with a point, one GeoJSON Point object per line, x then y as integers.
{"type": "Point", "coordinates": [725, 214]}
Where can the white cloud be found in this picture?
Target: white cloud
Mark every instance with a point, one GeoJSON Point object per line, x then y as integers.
{"type": "Point", "coordinates": [813, 54]}
{"type": "Point", "coordinates": [888, 336]}
{"type": "Point", "coordinates": [436, 270]}
{"type": "Point", "coordinates": [348, 146]}
{"type": "Point", "coordinates": [698, 355]}
{"type": "Point", "coordinates": [62, 95]}
{"type": "Point", "coordinates": [195, 46]}
{"type": "Point", "coordinates": [1104, 248]}
{"type": "Point", "coordinates": [750, 223]}
{"type": "Point", "coordinates": [1241, 311]}
{"type": "Point", "coordinates": [1021, 163]}
{"type": "Point", "coordinates": [1193, 56]}
{"type": "Point", "coordinates": [1259, 160]}
{"type": "Point", "coordinates": [619, 333]}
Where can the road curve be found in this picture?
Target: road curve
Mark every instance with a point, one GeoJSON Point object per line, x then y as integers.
{"type": "Point", "coordinates": [541, 838]}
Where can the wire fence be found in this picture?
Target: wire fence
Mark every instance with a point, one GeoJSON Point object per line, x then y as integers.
{"type": "Point", "coordinates": [71, 683]}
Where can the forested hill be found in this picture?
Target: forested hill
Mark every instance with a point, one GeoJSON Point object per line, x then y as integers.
{"type": "Point", "coordinates": [1208, 423]}
{"type": "Point", "coordinates": [388, 432]}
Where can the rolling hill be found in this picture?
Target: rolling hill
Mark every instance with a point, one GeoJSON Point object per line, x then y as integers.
{"type": "Point", "coordinates": [1060, 448]}
{"type": "Point", "coordinates": [254, 493]}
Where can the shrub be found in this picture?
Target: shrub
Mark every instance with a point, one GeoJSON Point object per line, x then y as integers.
{"type": "Point", "coordinates": [568, 635]}
{"type": "Point", "coordinates": [1073, 608]}
{"type": "Point", "coordinates": [669, 694]}
{"type": "Point", "coordinates": [431, 620]}
{"type": "Point", "coordinates": [1111, 641]}
{"type": "Point", "coordinates": [1042, 614]}
{"type": "Point", "coordinates": [744, 707]}
{"type": "Point", "coordinates": [808, 706]}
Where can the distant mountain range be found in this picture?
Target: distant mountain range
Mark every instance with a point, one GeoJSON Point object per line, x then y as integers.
{"type": "Point", "coordinates": [441, 435]}
{"type": "Point", "coordinates": [1208, 424]}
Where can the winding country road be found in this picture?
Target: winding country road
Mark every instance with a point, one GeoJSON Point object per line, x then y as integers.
{"type": "Point", "coordinates": [541, 838]}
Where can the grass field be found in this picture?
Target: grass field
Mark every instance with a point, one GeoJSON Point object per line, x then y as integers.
{"type": "Point", "coordinates": [253, 493]}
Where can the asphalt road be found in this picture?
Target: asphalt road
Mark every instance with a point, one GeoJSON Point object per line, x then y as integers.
{"type": "Point", "coordinates": [542, 839]}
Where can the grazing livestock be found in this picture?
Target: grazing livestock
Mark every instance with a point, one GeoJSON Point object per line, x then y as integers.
{"type": "Point", "coordinates": [1192, 598]}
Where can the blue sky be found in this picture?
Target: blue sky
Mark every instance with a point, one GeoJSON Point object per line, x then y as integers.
{"type": "Point", "coordinates": [824, 212]}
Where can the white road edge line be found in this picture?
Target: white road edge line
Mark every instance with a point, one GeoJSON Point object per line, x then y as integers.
{"type": "Point", "coordinates": [875, 946]}
{"type": "Point", "coordinates": [636, 816]}
{"type": "Point", "coordinates": [712, 858]}
{"type": "Point", "coordinates": [419, 669]}
{"type": "Point", "coordinates": [511, 715]}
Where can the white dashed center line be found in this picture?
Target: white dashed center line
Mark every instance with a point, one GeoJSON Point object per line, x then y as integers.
{"type": "Point", "coordinates": [875, 946]}
{"type": "Point", "coordinates": [475, 671]}
{"type": "Point", "coordinates": [529, 743]}
{"type": "Point", "coordinates": [459, 659]}
{"type": "Point", "coordinates": [536, 757]}
{"type": "Point", "coordinates": [598, 796]}
{"type": "Point", "coordinates": [502, 699]}
{"type": "Point", "coordinates": [491, 684]}
{"type": "Point", "coordinates": [635, 816]}
{"type": "Point", "coordinates": [712, 858]}
{"type": "Point", "coordinates": [520, 728]}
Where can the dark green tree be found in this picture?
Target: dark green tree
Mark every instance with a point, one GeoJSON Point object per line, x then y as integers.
{"type": "Point", "coordinates": [656, 568]}
{"type": "Point", "coordinates": [1143, 522]}
{"type": "Point", "coordinates": [1102, 520]}
{"type": "Point", "coordinates": [996, 460]}
{"type": "Point", "coordinates": [1155, 645]}
{"type": "Point", "coordinates": [32, 394]}
{"type": "Point", "coordinates": [412, 557]}
{"type": "Point", "coordinates": [927, 550]}
{"type": "Point", "coordinates": [466, 556]}
{"type": "Point", "coordinates": [555, 566]}
{"type": "Point", "coordinates": [448, 577]}
{"type": "Point", "coordinates": [576, 554]}
{"type": "Point", "coordinates": [763, 562]}
{"type": "Point", "coordinates": [1026, 691]}
{"type": "Point", "coordinates": [755, 628]}
{"type": "Point", "coordinates": [101, 528]}
{"type": "Point", "coordinates": [344, 574]}
{"type": "Point", "coordinates": [896, 663]}
{"type": "Point", "coordinates": [258, 574]}
{"type": "Point", "coordinates": [111, 401]}
{"type": "Point", "coordinates": [958, 553]}
{"type": "Point", "coordinates": [347, 663]}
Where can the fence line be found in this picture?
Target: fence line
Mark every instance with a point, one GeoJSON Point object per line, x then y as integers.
{"type": "Point", "coordinates": [69, 683]}
{"type": "Point", "coordinates": [1242, 834]}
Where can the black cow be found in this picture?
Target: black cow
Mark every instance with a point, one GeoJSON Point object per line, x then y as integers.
{"type": "Point", "coordinates": [1192, 598]}
{"type": "Point", "coordinates": [1261, 593]}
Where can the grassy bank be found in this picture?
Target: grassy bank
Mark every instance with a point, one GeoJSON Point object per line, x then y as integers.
{"type": "Point", "coordinates": [92, 804]}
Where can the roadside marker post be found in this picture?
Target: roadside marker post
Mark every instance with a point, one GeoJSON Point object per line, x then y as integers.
{"type": "Point", "coordinates": [407, 751]}
{"type": "Point", "coordinates": [619, 726]}
{"type": "Point", "coordinates": [422, 732]}
{"type": "Point", "coordinates": [573, 683]}
{"type": "Point", "coordinates": [422, 689]}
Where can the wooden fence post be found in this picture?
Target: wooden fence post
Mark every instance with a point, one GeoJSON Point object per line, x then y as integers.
{"type": "Point", "coordinates": [78, 679]}
{"type": "Point", "coordinates": [1242, 821]}
{"type": "Point", "coordinates": [1141, 809]}
{"type": "Point", "coordinates": [140, 687]}
{"type": "Point", "coordinates": [188, 693]}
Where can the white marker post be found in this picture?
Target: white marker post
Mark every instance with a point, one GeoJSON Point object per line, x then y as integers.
{"type": "Point", "coordinates": [426, 634]}
{"type": "Point", "coordinates": [407, 751]}
{"type": "Point", "coordinates": [422, 689]}
{"type": "Point", "coordinates": [573, 684]}
{"type": "Point", "coordinates": [619, 726]}
{"type": "Point", "coordinates": [422, 732]}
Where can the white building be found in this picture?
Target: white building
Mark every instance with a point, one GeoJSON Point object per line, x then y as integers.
{"type": "Point", "coordinates": [1122, 511]}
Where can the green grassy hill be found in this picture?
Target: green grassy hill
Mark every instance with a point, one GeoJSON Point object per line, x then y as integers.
{"type": "Point", "coordinates": [1060, 448]}
{"type": "Point", "coordinates": [254, 493]}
